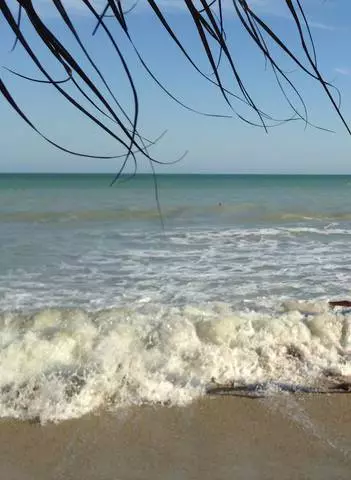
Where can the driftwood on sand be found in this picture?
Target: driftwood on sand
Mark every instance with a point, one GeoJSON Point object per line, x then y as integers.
{"type": "Point", "coordinates": [329, 383]}
{"type": "Point", "coordinates": [326, 385]}
{"type": "Point", "coordinates": [340, 303]}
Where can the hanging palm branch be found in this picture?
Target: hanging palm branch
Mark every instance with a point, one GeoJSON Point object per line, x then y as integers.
{"type": "Point", "coordinates": [103, 106]}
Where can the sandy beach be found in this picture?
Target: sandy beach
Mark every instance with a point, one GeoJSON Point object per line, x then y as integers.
{"type": "Point", "coordinates": [283, 437]}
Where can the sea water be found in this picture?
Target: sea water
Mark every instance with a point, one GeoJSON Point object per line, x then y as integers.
{"type": "Point", "coordinates": [109, 299]}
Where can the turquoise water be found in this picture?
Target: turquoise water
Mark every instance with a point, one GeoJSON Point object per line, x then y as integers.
{"type": "Point", "coordinates": [102, 300]}
{"type": "Point", "coordinates": [73, 240]}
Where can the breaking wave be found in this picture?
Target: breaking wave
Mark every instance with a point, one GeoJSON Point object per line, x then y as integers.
{"type": "Point", "coordinates": [58, 364]}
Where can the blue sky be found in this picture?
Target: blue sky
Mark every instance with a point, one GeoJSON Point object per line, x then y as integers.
{"type": "Point", "coordinates": [215, 145]}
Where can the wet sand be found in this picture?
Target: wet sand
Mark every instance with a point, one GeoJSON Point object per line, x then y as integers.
{"type": "Point", "coordinates": [285, 437]}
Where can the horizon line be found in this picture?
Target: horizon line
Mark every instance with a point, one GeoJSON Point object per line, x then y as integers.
{"type": "Point", "coordinates": [182, 173]}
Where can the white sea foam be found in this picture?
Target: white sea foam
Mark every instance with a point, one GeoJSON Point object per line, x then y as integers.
{"type": "Point", "coordinates": [176, 267]}
{"type": "Point", "coordinates": [60, 364]}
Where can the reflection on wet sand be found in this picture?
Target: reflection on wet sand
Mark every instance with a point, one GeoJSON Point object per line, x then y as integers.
{"type": "Point", "coordinates": [284, 437]}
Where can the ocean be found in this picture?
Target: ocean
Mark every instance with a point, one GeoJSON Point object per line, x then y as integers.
{"type": "Point", "coordinates": [118, 311]}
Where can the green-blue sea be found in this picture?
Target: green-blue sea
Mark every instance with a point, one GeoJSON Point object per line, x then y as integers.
{"type": "Point", "coordinates": [72, 240]}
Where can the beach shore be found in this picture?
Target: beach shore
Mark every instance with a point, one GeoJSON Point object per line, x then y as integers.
{"type": "Point", "coordinates": [281, 437]}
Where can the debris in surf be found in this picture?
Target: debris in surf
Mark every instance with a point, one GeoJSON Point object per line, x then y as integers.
{"type": "Point", "coordinates": [264, 389]}
{"type": "Point", "coordinates": [340, 303]}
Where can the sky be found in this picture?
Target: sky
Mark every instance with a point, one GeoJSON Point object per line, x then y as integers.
{"type": "Point", "coordinates": [214, 145]}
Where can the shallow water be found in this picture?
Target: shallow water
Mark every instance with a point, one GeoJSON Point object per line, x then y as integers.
{"type": "Point", "coordinates": [73, 241]}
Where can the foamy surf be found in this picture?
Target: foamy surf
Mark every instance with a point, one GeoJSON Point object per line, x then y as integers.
{"type": "Point", "coordinates": [58, 364]}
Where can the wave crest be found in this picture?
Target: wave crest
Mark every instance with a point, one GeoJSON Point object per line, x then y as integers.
{"type": "Point", "coordinates": [63, 363]}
